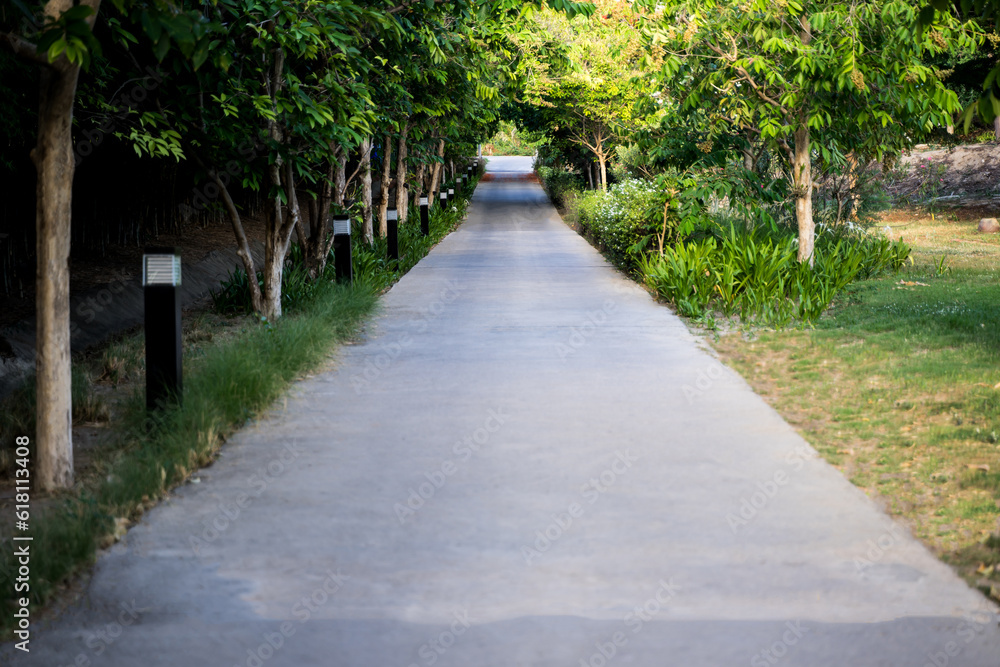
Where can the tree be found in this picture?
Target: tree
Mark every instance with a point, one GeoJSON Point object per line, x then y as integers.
{"type": "Point", "coordinates": [933, 14]}
{"type": "Point", "coordinates": [269, 96]}
{"type": "Point", "coordinates": [65, 45]}
{"type": "Point", "coordinates": [789, 71]}
{"type": "Point", "coordinates": [280, 96]}
{"type": "Point", "coordinates": [586, 76]}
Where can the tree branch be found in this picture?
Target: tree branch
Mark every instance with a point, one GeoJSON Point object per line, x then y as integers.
{"type": "Point", "coordinates": [745, 76]}
{"type": "Point", "coordinates": [351, 178]}
{"type": "Point", "coordinates": [24, 49]}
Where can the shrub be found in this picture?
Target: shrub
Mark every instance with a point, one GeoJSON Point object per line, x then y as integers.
{"type": "Point", "coordinates": [755, 272]}
{"type": "Point", "coordinates": [851, 199]}
{"type": "Point", "coordinates": [617, 220]}
{"type": "Point", "coordinates": [559, 183]}
{"type": "Point", "coordinates": [684, 275]}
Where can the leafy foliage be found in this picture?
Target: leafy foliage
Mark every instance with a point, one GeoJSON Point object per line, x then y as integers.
{"type": "Point", "coordinates": [370, 263]}
{"type": "Point", "coordinates": [559, 183]}
{"type": "Point", "coordinates": [618, 219]}
{"type": "Point", "coordinates": [753, 273]}
{"type": "Point", "coordinates": [585, 77]}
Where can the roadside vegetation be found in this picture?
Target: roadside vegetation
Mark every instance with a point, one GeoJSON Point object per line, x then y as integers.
{"type": "Point", "coordinates": [757, 177]}
{"type": "Point", "coordinates": [235, 366]}
{"type": "Point", "coordinates": [736, 158]}
{"type": "Point", "coordinates": [509, 140]}
{"type": "Point", "coordinates": [156, 114]}
{"type": "Point", "coordinates": [898, 385]}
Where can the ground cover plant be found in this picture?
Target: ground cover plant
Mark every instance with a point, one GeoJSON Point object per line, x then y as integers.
{"type": "Point", "coordinates": [898, 386]}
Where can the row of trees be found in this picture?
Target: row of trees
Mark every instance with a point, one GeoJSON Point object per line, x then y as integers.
{"type": "Point", "coordinates": [289, 100]}
{"type": "Point", "coordinates": [824, 84]}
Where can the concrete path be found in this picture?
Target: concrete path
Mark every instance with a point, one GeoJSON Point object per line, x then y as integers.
{"type": "Point", "coordinates": [527, 462]}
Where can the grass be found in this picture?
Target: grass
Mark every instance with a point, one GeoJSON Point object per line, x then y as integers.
{"type": "Point", "coordinates": [226, 384]}
{"type": "Point", "coordinates": [17, 413]}
{"type": "Point", "coordinates": [234, 368]}
{"type": "Point", "coordinates": [899, 387]}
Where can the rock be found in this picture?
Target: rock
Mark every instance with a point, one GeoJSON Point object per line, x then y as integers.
{"type": "Point", "coordinates": [989, 226]}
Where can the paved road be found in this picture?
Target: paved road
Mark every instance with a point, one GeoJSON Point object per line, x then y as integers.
{"type": "Point", "coordinates": [526, 462]}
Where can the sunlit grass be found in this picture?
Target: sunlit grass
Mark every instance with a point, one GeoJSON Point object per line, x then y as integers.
{"type": "Point", "coordinates": [899, 386]}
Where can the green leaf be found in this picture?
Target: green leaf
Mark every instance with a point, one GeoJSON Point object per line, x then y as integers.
{"type": "Point", "coordinates": [77, 13]}
{"type": "Point", "coordinates": [161, 48]}
{"type": "Point", "coordinates": [200, 55]}
{"type": "Point", "coordinates": [57, 49]}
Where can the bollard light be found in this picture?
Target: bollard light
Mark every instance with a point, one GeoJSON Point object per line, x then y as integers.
{"type": "Point", "coordinates": [342, 249]}
{"type": "Point", "coordinates": [392, 228]}
{"type": "Point", "coordinates": [444, 199]}
{"type": "Point", "coordinates": [425, 219]}
{"type": "Point", "coordinates": [451, 193]}
{"type": "Point", "coordinates": [161, 283]}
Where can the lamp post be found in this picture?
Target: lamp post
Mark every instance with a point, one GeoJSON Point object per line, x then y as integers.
{"type": "Point", "coordinates": [425, 219]}
{"type": "Point", "coordinates": [161, 282]}
{"type": "Point", "coordinates": [342, 248]}
{"type": "Point", "coordinates": [392, 228]}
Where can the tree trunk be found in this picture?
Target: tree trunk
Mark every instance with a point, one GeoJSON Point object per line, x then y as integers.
{"type": "Point", "coordinates": [314, 239]}
{"type": "Point", "coordinates": [340, 179]}
{"type": "Point", "coordinates": [54, 161]}
{"type": "Point", "coordinates": [401, 155]}
{"type": "Point", "coordinates": [436, 179]}
{"type": "Point", "coordinates": [748, 161]}
{"type": "Point", "coordinates": [590, 174]}
{"type": "Point", "coordinates": [273, 270]}
{"type": "Point", "coordinates": [421, 186]}
{"type": "Point", "coordinates": [383, 203]}
{"type": "Point", "coordinates": [55, 164]}
{"type": "Point", "coordinates": [603, 159]}
{"type": "Point", "coordinates": [278, 227]}
{"type": "Point", "coordinates": [852, 187]}
{"type": "Point", "coordinates": [273, 266]}
{"type": "Point", "coordinates": [803, 186]}
{"type": "Point", "coordinates": [366, 189]}
{"type": "Point", "coordinates": [242, 243]}
{"type": "Point", "coordinates": [278, 236]}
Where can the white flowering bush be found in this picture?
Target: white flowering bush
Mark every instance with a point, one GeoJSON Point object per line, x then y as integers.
{"type": "Point", "coordinates": [619, 218]}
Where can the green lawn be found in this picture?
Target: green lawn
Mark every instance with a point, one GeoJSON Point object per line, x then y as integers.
{"type": "Point", "coordinates": [899, 387]}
